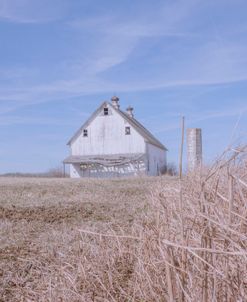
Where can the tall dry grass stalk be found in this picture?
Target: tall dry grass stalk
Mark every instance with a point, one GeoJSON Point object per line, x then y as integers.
{"type": "Point", "coordinates": [214, 223]}
{"type": "Point", "coordinates": [147, 263]}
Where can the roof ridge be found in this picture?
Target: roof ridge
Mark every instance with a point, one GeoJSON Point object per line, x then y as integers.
{"type": "Point", "coordinates": [138, 126]}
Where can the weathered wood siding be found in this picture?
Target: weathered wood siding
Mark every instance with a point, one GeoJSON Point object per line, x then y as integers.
{"type": "Point", "coordinates": [156, 160]}
{"type": "Point", "coordinates": [106, 135]}
{"type": "Point", "coordinates": [131, 169]}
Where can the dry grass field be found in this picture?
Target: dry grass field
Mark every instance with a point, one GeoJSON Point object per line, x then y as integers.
{"type": "Point", "coordinates": [138, 239]}
{"type": "Point", "coordinates": [41, 221]}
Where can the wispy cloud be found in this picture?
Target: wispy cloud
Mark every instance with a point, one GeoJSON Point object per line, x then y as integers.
{"type": "Point", "coordinates": [176, 54]}
{"type": "Point", "coordinates": [116, 40]}
{"type": "Point", "coordinates": [230, 112]}
{"type": "Point", "coordinates": [127, 29]}
{"type": "Point", "coordinates": [192, 119]}
{"type": "Point", "coordinates": [156, 19]}
{"type": "Point", "coordinates": [94, 85]}
{"type": "Point", "coordinates": [29, 120]}
{"type": "Point", "coordinates": [31, 11]}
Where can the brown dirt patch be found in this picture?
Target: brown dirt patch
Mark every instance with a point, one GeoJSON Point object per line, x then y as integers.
{"type": "Point", "coordinates": [54, 214]}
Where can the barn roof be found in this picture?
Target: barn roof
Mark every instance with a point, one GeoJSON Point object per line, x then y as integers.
{"type": "Point", "coordinates": [142, 130]}
{"type": "Point", "coordinates": [148, 136]}
{"type": "Point", "coordinates": [105, 160]}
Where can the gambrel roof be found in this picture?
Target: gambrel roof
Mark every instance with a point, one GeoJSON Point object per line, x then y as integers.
{"type": "Point", "coordinates": [149, 138]}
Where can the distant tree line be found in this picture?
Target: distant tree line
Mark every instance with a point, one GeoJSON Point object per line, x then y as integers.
{"type": "Point", "coordinates": [53, 172]}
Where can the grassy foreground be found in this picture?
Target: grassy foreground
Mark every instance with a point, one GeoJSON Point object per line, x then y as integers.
{"type": "Point", "coordinates": [40, 228]}
{"type": "Point", "coordinates": [143, 239]}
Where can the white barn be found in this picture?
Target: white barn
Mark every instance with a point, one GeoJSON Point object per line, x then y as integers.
{"type": "Point", "coordinates": [112, 143]}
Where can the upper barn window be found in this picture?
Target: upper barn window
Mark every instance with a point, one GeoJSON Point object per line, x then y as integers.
{"type": "Point", "coordinates": [106, 111]}
{"type": "Point", "coordinates": [127, 130]}
{"type": "Point", "coordinates": [85, 133]}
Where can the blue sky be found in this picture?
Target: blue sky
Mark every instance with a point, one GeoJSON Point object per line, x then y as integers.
{"type": "Point", "coordinates": [59, 59]}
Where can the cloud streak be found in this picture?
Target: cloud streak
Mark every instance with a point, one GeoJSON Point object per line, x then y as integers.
{"type": "Point", "coordinates": [179, 56]}
{"type": "Point", "coordinates": [194, 119]}
{"type": "Point", "coordinates": [31, 11]}
{"type": "Point", "coordinates": [62, 90]}
{"type": "Point", "coordinates": [116, 42]}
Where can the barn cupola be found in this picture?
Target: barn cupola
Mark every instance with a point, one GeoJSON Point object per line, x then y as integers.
{"type": "Point", "coordinates": [130, 111]}
{"type": "Point", "coordinates": [115, 102]}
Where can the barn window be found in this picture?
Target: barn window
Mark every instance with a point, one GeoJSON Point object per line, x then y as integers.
{"type": "Point", "coordinates": [85, 133]}
{"type": "Point", "coordinates": [127, 130]}
{"type": "Point", "coordinates": [105, 111]}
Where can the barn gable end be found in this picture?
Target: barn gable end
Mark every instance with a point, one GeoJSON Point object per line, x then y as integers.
{"type": "Point", "coordinates": [106, 134]}
{"type": "Point", "coordinates": [113, 143]}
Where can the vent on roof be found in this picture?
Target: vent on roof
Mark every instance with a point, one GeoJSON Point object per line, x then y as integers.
{"type": "Point", "coordinates": [130, 111]}
{"type": "Point", "coordinates": [115, 102]}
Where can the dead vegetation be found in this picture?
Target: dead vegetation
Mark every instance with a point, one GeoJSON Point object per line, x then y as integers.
{"type": "Point", "coordinates": [145, 239]}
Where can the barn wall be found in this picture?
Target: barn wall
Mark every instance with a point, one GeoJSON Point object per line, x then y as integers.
{"type": "Point", "coordinates": [106, 135]}
{"type": "Point", "coordinates": [157, 160]}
